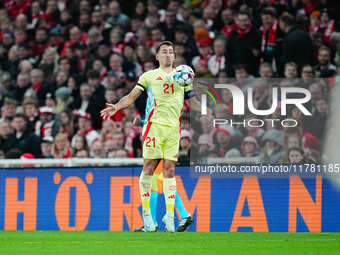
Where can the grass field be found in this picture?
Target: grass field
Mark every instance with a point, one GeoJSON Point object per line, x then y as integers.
{"type": "Point", "coordinates": [54, 242]}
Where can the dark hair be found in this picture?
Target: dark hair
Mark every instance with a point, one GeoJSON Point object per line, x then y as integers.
{"type": "Point", "coordinates": [307, 65]}
{"type": "Point", "coordinates": [288, 19]}
{"type": "Point", "coordinates": [168, 43]}
{"type": "Point", "coordinates": [63, 58]}
{"type": "Point", "coordinates": [240, 67]}
{"type": "Point", "coordinates": [295, 149]}
{"type": "Point", "coordinates": [156, 28]}
{"type": "Point", "coordinates": [93, 74]}
{"type": "Point", "coordinates": [42, 29]}
{"type": "Point", "coordinates": [269, 11]}
{"type": "Point", "coordinates": [324, 48]}
{"type": "Point", "coordinates": [245, 13]}
{"type": "Point", "coordinates": [20, 115]}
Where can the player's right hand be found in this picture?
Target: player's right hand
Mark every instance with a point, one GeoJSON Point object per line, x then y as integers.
{"type": "Point", "coordinates": [109, 111]}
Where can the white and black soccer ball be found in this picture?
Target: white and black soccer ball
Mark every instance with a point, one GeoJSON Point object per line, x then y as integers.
{"type": "Point", "coordinates": [184, 75]}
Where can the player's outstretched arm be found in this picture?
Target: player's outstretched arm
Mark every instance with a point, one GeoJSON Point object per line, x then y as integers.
{"type": "Point", "coordinates": [124, 102]}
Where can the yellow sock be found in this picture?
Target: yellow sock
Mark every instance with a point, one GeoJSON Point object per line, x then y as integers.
{"type": "Point", "coordinates": [145, 182]}
{"type": "Point", "coordinates": [169, 190]}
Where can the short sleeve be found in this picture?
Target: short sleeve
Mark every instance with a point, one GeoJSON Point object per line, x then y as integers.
{"type": "Point", "coordinates": [142, 83]}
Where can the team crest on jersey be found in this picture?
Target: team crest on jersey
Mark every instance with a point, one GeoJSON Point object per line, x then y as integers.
{"type": "Point", "coordinates": [159, 78]}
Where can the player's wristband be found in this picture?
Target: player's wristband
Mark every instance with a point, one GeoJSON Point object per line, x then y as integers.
{"type": "Point", "coordinates": [189, 94]}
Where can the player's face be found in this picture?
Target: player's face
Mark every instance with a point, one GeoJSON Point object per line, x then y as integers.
{"type": "Point", "coordinates": [166, 55]}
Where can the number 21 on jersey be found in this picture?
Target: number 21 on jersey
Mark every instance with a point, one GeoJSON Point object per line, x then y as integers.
{"type": "Point", "coordinates": [168, 87]}
{"type": "Point", "coordinates": [148, 140]}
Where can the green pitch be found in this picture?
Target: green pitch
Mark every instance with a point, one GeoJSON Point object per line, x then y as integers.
{"type": "Point", "coordinates": [97, 243]}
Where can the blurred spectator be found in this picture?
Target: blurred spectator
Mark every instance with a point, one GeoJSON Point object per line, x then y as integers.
{"type": "Point", "coordinates": [85, 127]}
{"type": "Point", "coordinates": [271, 35]}
{"type": "Point", "coordinates": [118, 140]}
{"type": "Point", "coordinates": [205, 53]}
{"type": "Point", "coordinates": [120, 153]}
{"type": "Point", "coordinates": [295, 155]}
{"type": "Point", "coordinates": [66, 123]}
{"type": "Point", "coordinates": [108, 129]}
{"type": "Point", "coordinates": [205, 144]}
{"type": "Point", "coordinates": [261, 92]}
{"type": "Point", "coordinates": [97, 150]}
{"type": "Point", "coordinates": [266, 70]}
{"type": "Point", "coordinates": [116, 16]}
{"type": "Point", "coordinates": [25, 67]}
{"type": "Point", "coordinates": [310, 142]}
{"type": "Point", "coordinates": [233, 153]}
{"type": "Point", "coordinates": [132, 135]}
{"type": "Point", "coordinates": [61, 147]}
{"type": "Point", "coordinates": [223, 139]}
{"type": "Point", "coordinates": [5, 131]}
{"type": "Point", "coordinates": [30, 109]}
{"type": "Point", "coordinates": [8, 109]}
{"type": "Point", "coordinates": [46, 125]}
{"type": "Point", "coordinates": [243, 45]}
{"type": "Point", "coordinates": [7, 88]}
{"type": "Point", "coordinates": [46, 147]}
{"type": "Point", "coordinates": [318, 121]}
{"type": "Point", "coordinates": [75, 37]}
{"type": "Point", "coordinates": [221, 111]}
{"type": "Point", "coordinates": [307, 75]}
{"type": "Point", "coordinates": [291, 138]}
{"type": "Point", "coordinates": [64, 99]}
{"type": "Point", "coordinates": [317, 91]}
{"type": "Point", "coordinates": [39, 87]}
{"type": "Point", "coordinates": [228, 21]}
{"type": "Point", "coordinates": [41, 41]}
{"type": "Point", "coordinates": [97, 96]}
{"type": "Point", "coordinates": [271, 152]}
{"type": "Point", "coordinates": [82, 154]}
{"type": "Point", "coordinates": [324, 68]}
{"type": "Point", "coordinates": [297, 46]}
{"type": "Point", "coordinates": [217, 61]}
{"type": "Point", "coordinates": [321, 23]}
{"type": "Point", "coordinates": [22, 85]}
{"type": "Point", "coordinates": [207, 126]}
{"type": "Point", "coordinates": [243, 79]}
{"type": "Point", "coordinates": [86, 102]}
{"type": "Point", "coordinates": [80, 143]}
{"type": "Point", "coordinates": [55, 38]}
{"type": "Point", "coordinates": [185, 148]}
{"type": "Point", "coordinates": [23, 139]}
{"type": "Point", "coordinates": [170, 24]}
{"type": "Point", "coordinates": [290, 71]}
{"type": "Point", "coordinates": [108, 146]}
{"type": "Point", "coordinates": [184, 36]}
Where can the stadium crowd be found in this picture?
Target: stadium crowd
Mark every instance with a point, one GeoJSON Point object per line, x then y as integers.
{"type": "Point", "coordinates": [62, 60]}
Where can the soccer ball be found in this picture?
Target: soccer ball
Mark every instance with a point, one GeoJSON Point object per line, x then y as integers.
{"type": "Point", "coordinates": [184, 75]}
